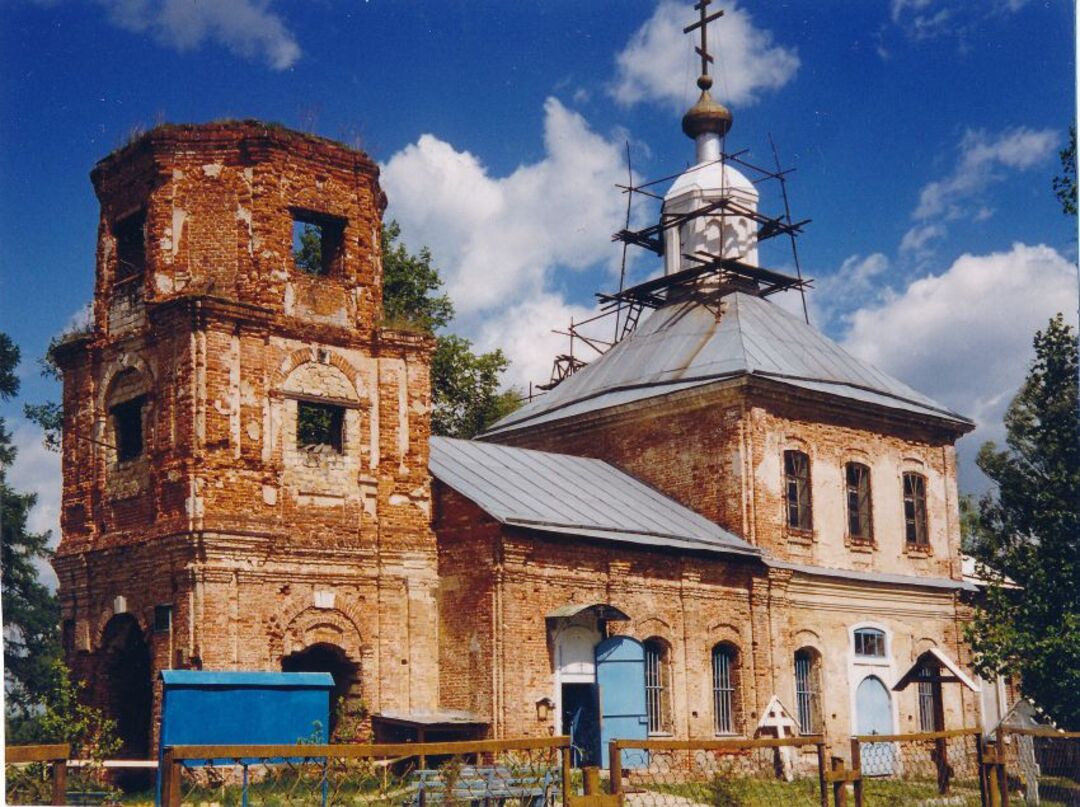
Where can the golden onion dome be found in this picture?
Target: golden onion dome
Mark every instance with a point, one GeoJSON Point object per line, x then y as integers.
{"type": "Point", "coordinates": [706, 116]}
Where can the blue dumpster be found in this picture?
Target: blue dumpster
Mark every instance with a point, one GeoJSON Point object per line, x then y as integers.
{"type": "Point", "coordinates": [242, 708]}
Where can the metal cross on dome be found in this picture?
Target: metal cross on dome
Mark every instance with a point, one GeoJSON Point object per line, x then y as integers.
{"type": "Point", "coordinates": [703, 24]}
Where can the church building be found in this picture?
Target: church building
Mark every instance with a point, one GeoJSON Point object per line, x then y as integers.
{"type": "Point", "coordinates": [726, 520]}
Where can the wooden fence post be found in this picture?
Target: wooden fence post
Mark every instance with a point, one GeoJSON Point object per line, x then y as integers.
{"type": "Point", "coordinates": [59, 781]}
{"type": "Point", "coordinates": [941, 758]}
{"type": "Point", "coordinates": [170, 795]}
{"type": "Point", "coordinates": [567, 772]}
{"type": "Point", "coordinates": [591, 775]}
{"type": "Point", "coordinates": [839, 787]}
{"type": "Point", "coordinates": [823, 786]}
{"type": "Point", "coordinates": [1003, 774]}
{"type": "Point", "coordinates": [615, 766]}
{"type": "Point", "coordinates": [856, 771]}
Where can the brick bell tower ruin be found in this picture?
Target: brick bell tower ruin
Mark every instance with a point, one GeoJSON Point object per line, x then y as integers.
{"type": "Point", "coordinates": [245, 446]}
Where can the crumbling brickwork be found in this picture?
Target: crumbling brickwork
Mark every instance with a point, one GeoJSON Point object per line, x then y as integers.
{"type": "Point", "coordinates": [215, 337]}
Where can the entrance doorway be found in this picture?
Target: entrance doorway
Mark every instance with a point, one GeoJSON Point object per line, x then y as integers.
{"type": "Point", "coordinates": [873, 708]}
{"type": "Point", "coordinates": [581, 721]}
{"type": "Point", "coordinates": [331, 659]}
{"type": "Point", "coordinates": [126, 657]}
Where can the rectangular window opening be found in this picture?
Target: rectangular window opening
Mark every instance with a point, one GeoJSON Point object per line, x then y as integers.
{"type": "Point", "coordinates": [130, 234]}
{"type": "Point", "coordinates": [807, 692]}
{"type": "Point", "coordinates": [128, 428]}
{"type": "Point", "coordinates": [929, 693]}
{"type": "Point", "coordinates": [797, 490]}
{"type": "Point", "coordinates": [316, 242]}
{"type": "Point", "coordinates": [860, 525]}
{"type": "Point", "coordinates": [915, 529]}
{"type": "Point", "coordinates": [320, 426]}
{"type": "Point", "coordinates": [162, 618]}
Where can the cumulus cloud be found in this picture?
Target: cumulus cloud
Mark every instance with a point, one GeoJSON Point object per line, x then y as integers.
{"type": "Point", "coordinates": [248, 28]}
{"type": "Point", "coordinates": [37, 470]}
{"type": "Point", "coordinates": [982, 158]}
{"type": "Point", "coordinates": [499, 239]}
{"type": "Point", "coordinates": [964, 336]}
{"type": "Point", "coordinates": [655, 65]}
{"type": "Point", "coordinates": [524, 332]}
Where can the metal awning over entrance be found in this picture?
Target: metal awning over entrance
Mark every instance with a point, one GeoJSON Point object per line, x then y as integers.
{"type": "Point", "coordinates": [600, 610]}
{"type": "Point", "coordinates": [943, 670]}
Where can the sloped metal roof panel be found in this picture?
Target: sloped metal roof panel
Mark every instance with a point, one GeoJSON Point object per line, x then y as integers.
{"type": "Point", "coordinates": [686, 343]}
{"type": "Point", "coordinates": [570, 495]}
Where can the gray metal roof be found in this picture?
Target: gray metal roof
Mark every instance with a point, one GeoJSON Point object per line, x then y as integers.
{"type": "Point", "coordinates": [873, 577]}
{"type": "Point", "coordinates": [685, 345]}
{"type": "Point", "coordinates": [579, 496]}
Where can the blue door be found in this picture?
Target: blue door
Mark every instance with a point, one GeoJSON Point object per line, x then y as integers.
{"type": "Point", "coordinates": [873, 714]}
{"type": "Point", "coordinates": [620, 679]}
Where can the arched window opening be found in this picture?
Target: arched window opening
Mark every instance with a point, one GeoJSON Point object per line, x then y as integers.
{"type": "Point", "coordinates": [658, 686]}
{"type": "Point", "coordinates": [915, 509]}
{"type": "Point", "coordinates": [725, 659]}
{"type": "Point", "coordinates": [331, 659]}
{"type": "Point", "coordinates": [869, 643]}
{"type": "Point", "coordinates": [808, 690]}
{"type": "Point", "coordinates": [797, 490]}
{"type": "Point", "coordinates": [860, 523]}
{"type": "Point", "coordinates": [127, 405]}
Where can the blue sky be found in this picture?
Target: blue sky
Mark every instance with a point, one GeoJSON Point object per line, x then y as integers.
{"type": "Point", "coordinates": [924, 134]}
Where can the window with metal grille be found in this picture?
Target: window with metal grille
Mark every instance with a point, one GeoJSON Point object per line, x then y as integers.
{"type": "Point", "coordinates": [929, 692]}
{"type": "Point", "coordinates": [724, 659]}
{"type": "Point", "coordinates": [915, 509]}
{"type": "Point", "coordinates": [658, 686]}
{"type": "Point", "coordinates": [808, 691]}
{"type": "Point", "coordinates": [797, 490]}
{"type": "Point", "coordinates": [860, 525]}
{"type": "Point", "coordinates": [870, 643]}
{"type": "Point", "coordinates": [128, 428]}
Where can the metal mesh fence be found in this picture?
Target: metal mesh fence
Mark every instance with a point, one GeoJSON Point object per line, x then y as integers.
{"type": "Point", "coordinates": [751, 774]}
{"type": "Point", "coordinates": [33, 783]}
{"type": "Point", "coordinates": [937, 768]}
{"type": "Point", "coordinates": [1042, 767]}
{"type": "Point", "coordinates": [369, 775]}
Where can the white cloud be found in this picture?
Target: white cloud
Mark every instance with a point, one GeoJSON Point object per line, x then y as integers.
{"type": "Point", "coordinates": [917, 240]}
{"type": "Point", "coordinates": [524, 333]}
{"type": "Point", "coordinates": [964, 336]}
{"type": "Point", "coordinates": [501, 239]}
{"type": "Point", "coordinates": [981, 158]}
{"type": "Point", "coordinates": [656, 64]}
{"type": "Point", "coordinates": [833, 295]}
{"type": "Point", "coordinates": [505, 244]}
{"type": "Point", "coordinates": [37, 470]}
{"type": "Point", "coordinates": [248, 28]}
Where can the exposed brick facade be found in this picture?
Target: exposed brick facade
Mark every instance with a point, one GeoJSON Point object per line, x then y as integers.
{"type": "Point", "coordinates": [260, 547]}
{"type": "Point", "coordinates": [210, 334]}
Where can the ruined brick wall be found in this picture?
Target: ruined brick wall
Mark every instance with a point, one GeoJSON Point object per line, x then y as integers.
{"type": "Point", "coordinates": [220, 339]}
{"type": "Point", "coordinates": [469, 543]}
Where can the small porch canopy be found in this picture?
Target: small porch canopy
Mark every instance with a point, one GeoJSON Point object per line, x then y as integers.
{"type": "Point", "coordinates": [942, 669]}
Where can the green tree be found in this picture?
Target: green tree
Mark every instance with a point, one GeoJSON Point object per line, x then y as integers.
{"type": "Point", "coordinates": [308, 255]}
{"type": "Point", "coordinates": [1029, 530]}
{"type": "Point", "coordinates": [31, 611]}
{"type": "Point", "coordinates": [465, 392]}
{"type": "Point", "coordinates": [1065, 184]}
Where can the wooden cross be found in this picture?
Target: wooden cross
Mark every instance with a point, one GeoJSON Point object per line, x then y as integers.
{"type": "Point", "coordinates": [703, 24]}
